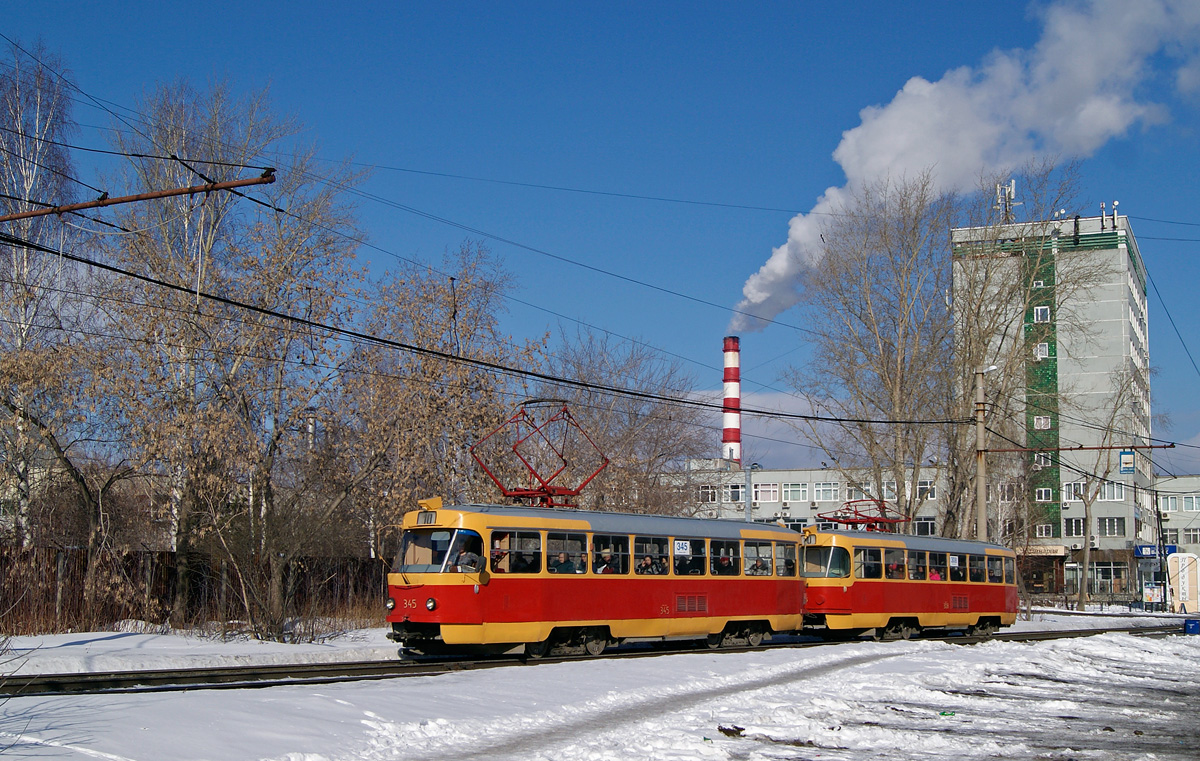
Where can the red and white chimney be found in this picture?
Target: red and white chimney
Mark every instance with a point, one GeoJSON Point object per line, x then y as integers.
{"type": "Point", "coordinates": [731, 417]}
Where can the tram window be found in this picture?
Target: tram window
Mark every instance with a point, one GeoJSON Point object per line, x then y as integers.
{"type": "Point", "coordinates": [995, 570]}
{"type": "Point", "coordinates": [567, 552]}
{"type": "Point", "coordinates": [893, 560]}
{"type": "Point", "coordinates": [610, 553]}
{"type": "Point", "coordinates": [1010, 571]}
{"type": "Point", "coordinates": [826, 562]}
{"type": "Point", "coordinates": [975, 565]}
{"type": "Point", "coordinates": [466, 552]}
{"type": "Point", "coordinates": [422, 551]}
{"type": "Point", "coordinates": [689, 557]}
{"type": "Point", "coordinates": [726, 558]}
{"type": "Point", "coordinates": [937, 566]}
{"type": "Point", "coordinates": [516, 552]}
{"type": "Point", "coordinates": [916, 565]}
{"type": "Point", "coordinates": [785, 559]}
{"type": "Point", "coordinates": [657, 549]}
{"type": "Point", "coordinates": [758, 558]}
{"type": "Point", "coordinates": [867, 563]}
{"type": "Point", "coordinates": [958, 567]}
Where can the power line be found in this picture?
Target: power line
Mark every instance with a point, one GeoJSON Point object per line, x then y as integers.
{"type": "Point", "coordinates": [436, 354]}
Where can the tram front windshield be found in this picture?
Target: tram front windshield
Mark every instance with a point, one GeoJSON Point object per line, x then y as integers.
{"type": "Point", "coordinates": [435, 550]}
{"type": "Point", "coordinates": [826, 562]}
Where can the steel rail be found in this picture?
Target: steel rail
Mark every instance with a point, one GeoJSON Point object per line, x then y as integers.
{"type": "Point", "coordinates": [244, 677]}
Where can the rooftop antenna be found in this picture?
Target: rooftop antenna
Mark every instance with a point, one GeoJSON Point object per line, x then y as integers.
{"type": "Point", "coordinates": [1006, 196]}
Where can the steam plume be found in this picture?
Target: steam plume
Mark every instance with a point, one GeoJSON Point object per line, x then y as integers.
{"type": "Point", "coordinates": [1076, 89]}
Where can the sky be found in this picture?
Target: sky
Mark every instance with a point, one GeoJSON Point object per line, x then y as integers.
{"type": "Point", "coordinates": [1110, 696]}
{"type": "Point", "coordinates": [656, 170]}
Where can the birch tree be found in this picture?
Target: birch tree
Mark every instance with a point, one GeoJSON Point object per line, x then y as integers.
{"type": "Point", "coordinates": [36, 311]}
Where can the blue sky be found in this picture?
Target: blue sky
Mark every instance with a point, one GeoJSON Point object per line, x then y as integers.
{"type": "Point", "coordinates": [733, 105]}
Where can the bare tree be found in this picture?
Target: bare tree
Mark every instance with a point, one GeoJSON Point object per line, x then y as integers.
{"type": "Point", "coordinates": [35, 168]}
{"type": "Point", "coordinates": [645, 439]}
{"type": "Point", "coordinates": [408, 418]}
{"type": "Point", "coordinates": [180, 350]}
{"type": "Point", "coordinates": [880, 331]}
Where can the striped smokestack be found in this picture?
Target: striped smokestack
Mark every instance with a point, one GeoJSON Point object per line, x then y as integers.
{"type": "Point", "coordinates": [731, 418]}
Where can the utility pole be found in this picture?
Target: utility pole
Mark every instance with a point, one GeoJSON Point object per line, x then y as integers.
{"type": "Point", "coordinates": [980, 457]}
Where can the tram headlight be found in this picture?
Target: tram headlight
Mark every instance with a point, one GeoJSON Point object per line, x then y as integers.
{"type": "Point", "coordinates": [430, 604]}
{"type": "Point", "coordinates": [391, 603]}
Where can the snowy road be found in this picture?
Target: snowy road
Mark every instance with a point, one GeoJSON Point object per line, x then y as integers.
{"type": "Point", "coordinates": [1112, 696]}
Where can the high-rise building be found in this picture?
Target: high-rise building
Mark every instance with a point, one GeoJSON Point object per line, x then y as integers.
{"type": "Point", "coordinates": [1075, 349]}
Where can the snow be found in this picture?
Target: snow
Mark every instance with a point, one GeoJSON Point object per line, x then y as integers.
{"type": "Point", "coordinates": [1110, 696]}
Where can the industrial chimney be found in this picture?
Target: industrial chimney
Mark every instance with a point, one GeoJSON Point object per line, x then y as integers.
{"type": "Point", "coordinates": [731, 417]}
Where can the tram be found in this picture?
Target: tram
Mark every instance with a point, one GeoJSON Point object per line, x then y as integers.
{"type": "Point", "coordinates": [496, 578]}
{"type": "Point", "coordinates": [899, 585]}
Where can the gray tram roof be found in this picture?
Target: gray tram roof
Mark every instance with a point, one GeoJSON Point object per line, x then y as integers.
{"type": "Point", "coordinates": [928, 543]}
{"type": "Point", "coordinates": [633, 523]}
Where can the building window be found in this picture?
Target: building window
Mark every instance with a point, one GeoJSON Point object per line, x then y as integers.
{"type": "Point", "coordinates": [1041, 350]}
{"type": "Point", "coordinates": [889, 490]}
{"type": "Point", "coordinates": [858, 491]}
{"type": "Point", "coordinates": [925, 527]}
{"type": "Point", "coordinates": [1191, 536]}
{"type": "Point", "coordinates": [1168, 504]}
{"type": "Point", "coordinates": [926, 489]}
{"type": "Point", "coordinates": [1171, 536]}
{"type": "Point", "coordinates": [1191, 504]}
{"type": "Point", "coordinates": [766, 492]}
{"type": "Point", "coordinates": [1110, 526]}
{"type": "Point", "coordinates": [1041, 314]}
{"type": "Point", "coordinates": [1112, 492]}
{"type": "Point", "coordinates": [734, 493]}
{"type": "Point", "coordinates": [795, 492]}
{"type": "Point", "coordinates": [826, 491]}
{"type": "Point", "coordinates": [1041, 422]}
{"type": "Point", "coordinates": [1073, 527]}
{"type": "Point", "coordinates": [1038, 284]}
{"type": "Point", "coordinates": [1073, 492]}
{"type": "Point", "coordinates": [1044, 494]}
{"type": "Point", "coordinates": [1044, 530]}
{"type": "Point", "coordinates": [1010, 492]}
{"type": "Point", "coordinates": [1042, 460]}
{"type": "Point", "coordinates": [707, 494]}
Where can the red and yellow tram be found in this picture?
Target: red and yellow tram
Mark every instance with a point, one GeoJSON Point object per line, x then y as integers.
{"type": "Point", "coordinates": [491, 577]}
{"type": "Point", "coordinates": [899, 585]}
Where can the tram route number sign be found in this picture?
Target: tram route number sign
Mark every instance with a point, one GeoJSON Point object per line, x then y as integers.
{"type": "Point", "coordinates": [683, 547]}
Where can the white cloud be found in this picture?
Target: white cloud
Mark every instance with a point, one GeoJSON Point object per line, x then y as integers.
{"type": "Point", "coordinates": [1075, 90]}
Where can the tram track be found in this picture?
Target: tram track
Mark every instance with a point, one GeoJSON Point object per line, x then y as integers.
{"type": "Point", "coordinates": [244, 677]}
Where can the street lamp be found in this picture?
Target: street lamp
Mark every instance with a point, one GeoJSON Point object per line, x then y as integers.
{"type": "Point", "coordinates": [980, 461]}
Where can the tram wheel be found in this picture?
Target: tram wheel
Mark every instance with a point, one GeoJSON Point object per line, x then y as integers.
{"type": "Point", "coordinates": [982, 629]}
{"type": "Point", "coordinates": [754, 636]}
{"type": "Point", "coordinates": [716, 640]}
{"type": "Point", "coordinates": [595, 643]}
{"type": "Point", "coordinates": [535, 650]}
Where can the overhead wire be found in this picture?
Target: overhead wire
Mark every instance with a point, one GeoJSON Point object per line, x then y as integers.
{"type": "Point", "coordinates": [437, 354]}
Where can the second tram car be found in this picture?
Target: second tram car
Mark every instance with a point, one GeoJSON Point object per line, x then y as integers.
{"type": "Point", "coordinates": [899, 585]}
{"type": "Point", "coordinates": [491, 577]}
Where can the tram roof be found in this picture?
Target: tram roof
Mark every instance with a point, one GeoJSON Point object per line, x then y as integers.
{"type": "Point", "coordinates": [928, 543]}
{"type": "Point", "coordinates": [631, 523]}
